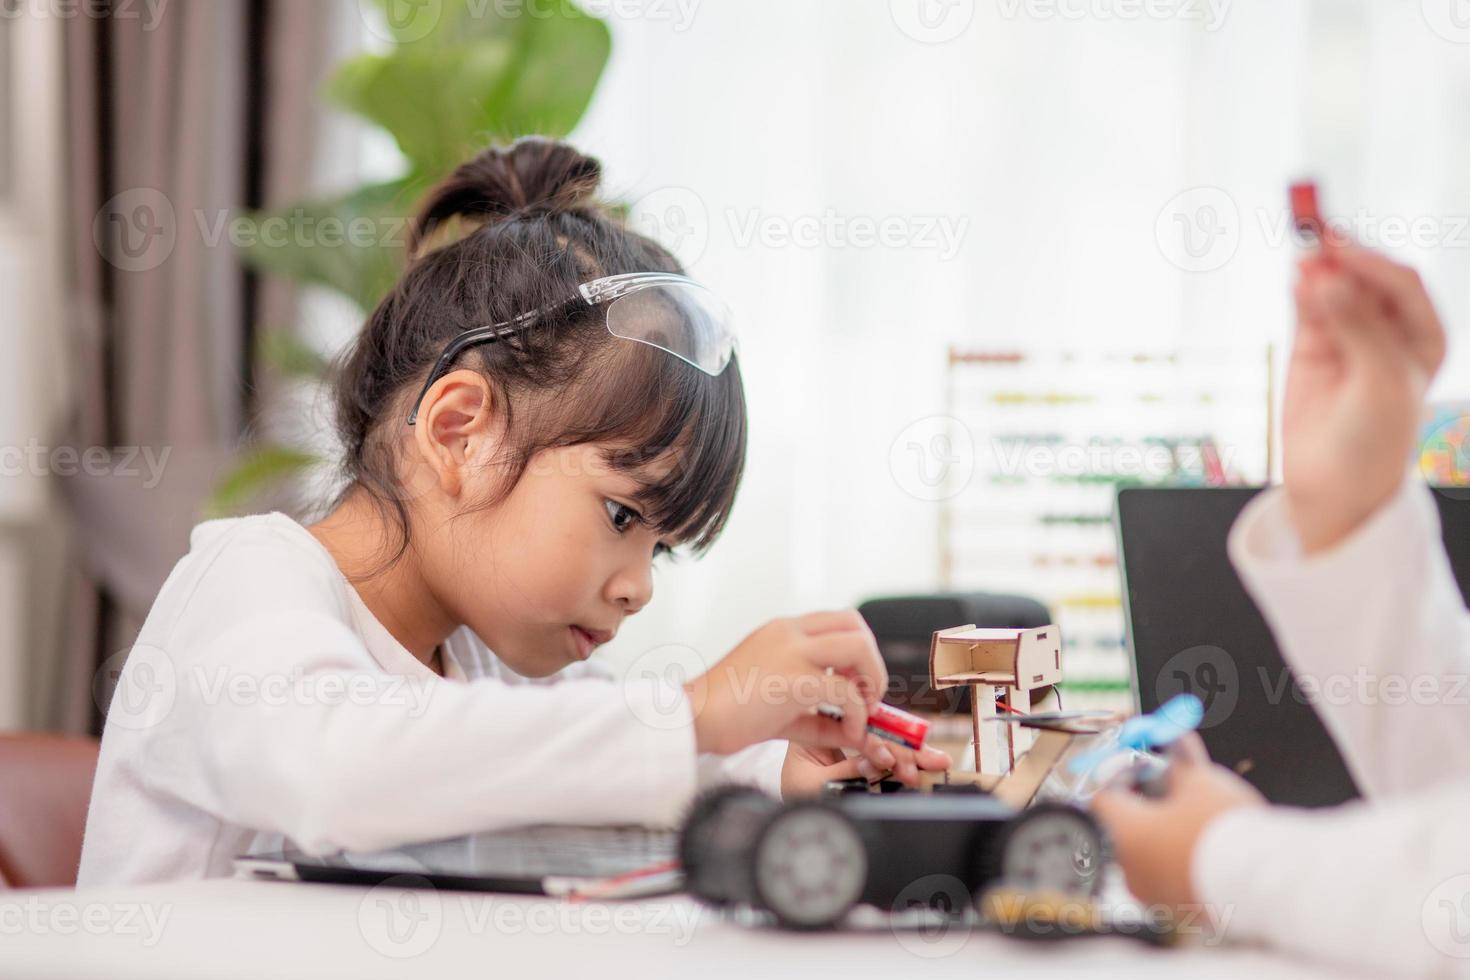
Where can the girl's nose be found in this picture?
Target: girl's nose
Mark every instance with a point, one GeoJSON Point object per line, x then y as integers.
{"type": "Point", "coordinates": [632, 587]}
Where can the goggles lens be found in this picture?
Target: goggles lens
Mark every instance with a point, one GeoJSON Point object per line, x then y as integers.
{"type": "Point", "coordinates": [684, 319]}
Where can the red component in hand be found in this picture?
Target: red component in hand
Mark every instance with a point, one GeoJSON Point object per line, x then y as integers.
{"type": "Point", "coordinates": [1304, 210]}
{"type": "Point", "coordinates": [888, 722]}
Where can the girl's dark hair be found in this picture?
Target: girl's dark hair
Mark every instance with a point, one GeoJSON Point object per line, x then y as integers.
{"type": "Point", "coordinates": [529, 232]}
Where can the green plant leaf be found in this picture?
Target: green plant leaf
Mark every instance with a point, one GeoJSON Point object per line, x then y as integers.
{"type": "Point", "coordinates": [291, 356]}
{"type": "Point", "coordinates": [257, 471]}
{"type": "Point", "coordinates": [353, 244]}
{"type": "Point", "coordinates": [443, 101]}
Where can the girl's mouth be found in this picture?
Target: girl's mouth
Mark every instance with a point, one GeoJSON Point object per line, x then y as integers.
{"type": "Point", "coordinates": [587, 640]}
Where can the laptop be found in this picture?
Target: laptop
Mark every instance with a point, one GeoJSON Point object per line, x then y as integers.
{"type": "Point", "coordinates": [615, 861]}
{"type": "Point", "coordinates": [1191, 626]}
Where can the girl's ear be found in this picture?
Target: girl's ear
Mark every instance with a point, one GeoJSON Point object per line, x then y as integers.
{"type": "Point", "coordinates": [455, 419]}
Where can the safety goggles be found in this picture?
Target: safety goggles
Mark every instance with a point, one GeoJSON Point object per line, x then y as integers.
{"type": "Point", "coordinates": [661, 309]}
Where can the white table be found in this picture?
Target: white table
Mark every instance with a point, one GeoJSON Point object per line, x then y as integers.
{"type": "Point", "coordinates": [259, 929]}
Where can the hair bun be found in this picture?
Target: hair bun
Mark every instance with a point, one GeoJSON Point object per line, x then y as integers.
{"type": "Point", "coordinates": [532, 174]}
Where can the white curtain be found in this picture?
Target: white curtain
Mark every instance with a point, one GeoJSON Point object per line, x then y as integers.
{"type": "Point", "coordinates": [1069, 145]}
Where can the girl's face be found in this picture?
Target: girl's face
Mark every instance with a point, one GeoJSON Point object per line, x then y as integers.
{"type": "Point", "coordinates": [550, 572]}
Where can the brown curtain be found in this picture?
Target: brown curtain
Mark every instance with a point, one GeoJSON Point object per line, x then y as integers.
{"type": "Point", "coordinates": [175, 123]}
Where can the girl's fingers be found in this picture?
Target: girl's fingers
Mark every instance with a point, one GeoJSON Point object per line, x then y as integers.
{"type": "Point", "coordinates": [1190, 750]}
{"type": "Point", "coordinates": [929, 757]}
{"type": "Point", "coordinates": [1351, 317]}
{"type": "Point", "coordinates": [832, 621]}
{"type": "Point", "coordinates": [815, 730]}
{"type": "Point", "coordinates": [843, 694]}
{"type": "Point", "coordinates": [879, 753]}
{"type": "Point", "coordinates": [846, 769]}
{"type": "Point", "coordinates": [1402, 292]}
{"type": "Point", "coordinates": [854, 655]}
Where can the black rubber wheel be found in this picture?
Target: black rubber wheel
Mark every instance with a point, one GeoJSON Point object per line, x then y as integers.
{"type": "Point", "coordinates": [716, 840]}
{"type": "Point", "coordinates": [809, 866]}
{"type": "Point", "coordinates": [1050, 848]}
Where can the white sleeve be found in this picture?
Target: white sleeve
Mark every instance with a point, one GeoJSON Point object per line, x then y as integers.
{"type": "Point", "coordinates": [1376, 631]}
{"type": "Point", "coordinates": [1380, 888]}
{"type": "Point", "coordinates": [282, 722]}
{"type": "Point", "coordinates": [758, 765]}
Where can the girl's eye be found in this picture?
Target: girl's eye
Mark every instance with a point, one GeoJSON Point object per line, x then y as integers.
{"type": "Point", "coordinates": [622, 517]}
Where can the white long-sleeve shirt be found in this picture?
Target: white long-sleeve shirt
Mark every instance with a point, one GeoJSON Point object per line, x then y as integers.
{"type": "Point", "coordinates": [263, 704]}
{"type": "Point", "coordinates": [1377, 628]}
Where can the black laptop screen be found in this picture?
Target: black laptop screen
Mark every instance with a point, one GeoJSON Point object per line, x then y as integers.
{"type": "Point", "coordinates": [1193, 627]}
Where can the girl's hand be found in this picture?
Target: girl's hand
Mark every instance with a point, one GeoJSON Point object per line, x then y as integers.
{"type": "Point", "coordinates": [1154, 839]}
{"type": "Point", "coordinates": [770, 685]}
{"type": "Point", "coordinates": [807, 769]}
{"type": "Point", "coordinates": [1368, 342]}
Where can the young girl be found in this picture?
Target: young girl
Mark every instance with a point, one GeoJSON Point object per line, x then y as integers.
{"type": "Point", "coordinates": [541, 408]}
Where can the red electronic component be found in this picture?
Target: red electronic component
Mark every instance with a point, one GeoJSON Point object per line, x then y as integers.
{"type": "Point", "coordinates": [888, 722]}
{"type": "Point", "coordinates": [1304, 211]}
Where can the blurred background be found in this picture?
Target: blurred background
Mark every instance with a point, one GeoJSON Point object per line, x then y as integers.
{"type": "Point", "coordinates": [990, 258]}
